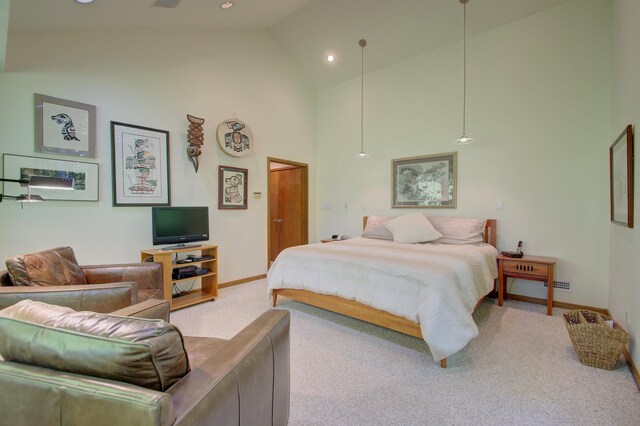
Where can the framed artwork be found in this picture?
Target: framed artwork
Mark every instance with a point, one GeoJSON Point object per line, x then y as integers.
{"type": "Point", "coordinates": [85, 177]}
{"type": "Point", "coordinates": [235, 137]}
{"type": "Point", "coordinates": [232, 188]}
{"type": "Point", "coordinates": [426, 181]}
{"type": "Point", "coordinates": [621, 178]}
{"type": "Point", "coordinates": [65, 127]}
{"type": "Point", "coordinates": [140, 159]}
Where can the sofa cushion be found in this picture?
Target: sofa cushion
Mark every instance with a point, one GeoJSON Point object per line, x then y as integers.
{"type": "Point", "coordinates": [145, 294]}
{"type": "Point", "coordinates": [57, 266]}
{"type": "Point", "coordinates": [143, 352]}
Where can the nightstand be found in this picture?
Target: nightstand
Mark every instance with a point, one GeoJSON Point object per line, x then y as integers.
{"type": "Point", "coordinates": [535, 268]}
{"type": "Point", "coordinates": [329, 240]}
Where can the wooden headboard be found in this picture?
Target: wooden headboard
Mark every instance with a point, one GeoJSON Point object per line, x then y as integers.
{"type": "Point", "coordinates": [489, 234]}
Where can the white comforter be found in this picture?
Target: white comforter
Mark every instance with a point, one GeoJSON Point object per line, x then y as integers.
{"type": "Point", "coordinates": [435, 285]}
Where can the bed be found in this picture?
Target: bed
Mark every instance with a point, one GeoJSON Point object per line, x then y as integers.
{"type": "Point", "coordinates": [427, 291]}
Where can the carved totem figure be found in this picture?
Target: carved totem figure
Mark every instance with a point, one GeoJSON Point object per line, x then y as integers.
{"type": "Point", "coordinates": [195, 138]}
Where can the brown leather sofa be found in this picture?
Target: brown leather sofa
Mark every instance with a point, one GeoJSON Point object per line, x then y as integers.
{"type": "Point", "coordinates": [107, 288]}
{"type": "Point", "coordinates": [242, 381]}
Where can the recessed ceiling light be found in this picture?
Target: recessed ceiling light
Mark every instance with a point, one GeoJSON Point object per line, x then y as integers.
{"type": "Point", "coordinates": [226, 5]}
{"type": "Point", "coordinates": [330, 58]}
{"type": "Point", "coordinates": [84, 1]}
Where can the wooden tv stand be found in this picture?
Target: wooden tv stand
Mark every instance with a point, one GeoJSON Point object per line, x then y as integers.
{"type": "Point", "coordinates": [209, 281]}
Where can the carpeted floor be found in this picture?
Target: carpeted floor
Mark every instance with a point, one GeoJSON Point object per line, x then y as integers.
{"type": "Point", "coordinates": [522, 369]}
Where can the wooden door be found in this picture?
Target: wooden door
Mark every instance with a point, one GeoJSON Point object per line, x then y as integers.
{"type": "Point", "coordinates": [287, 209]}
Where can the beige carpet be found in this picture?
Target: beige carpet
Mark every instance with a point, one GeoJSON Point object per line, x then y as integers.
{"type": "Point", "coordinates": [522, 369]}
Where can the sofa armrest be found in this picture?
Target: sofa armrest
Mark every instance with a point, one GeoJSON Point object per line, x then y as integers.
{"type": "Point", "coordinates": [146, 274]}
{"type": "Point", "coordinates": [247, 379]}
{"type": "Point", "coordinates": [150, 309]}
{"type": "Point", "coordinates": [103, 298]}
{"type": "Point", "coordinates": [33, 395]}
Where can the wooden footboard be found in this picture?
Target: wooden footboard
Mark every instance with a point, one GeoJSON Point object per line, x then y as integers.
{"type": "Point", "coordinates": [357, 310]}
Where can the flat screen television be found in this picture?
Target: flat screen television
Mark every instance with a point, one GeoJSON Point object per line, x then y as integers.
{"type": "Point", "coordinates": [179, 225]}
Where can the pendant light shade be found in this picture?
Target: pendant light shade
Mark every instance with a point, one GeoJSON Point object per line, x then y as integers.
{"type": "Point", "coordinates": [362, 43]}
{"type": "Point", "coordinates": [464, 139]}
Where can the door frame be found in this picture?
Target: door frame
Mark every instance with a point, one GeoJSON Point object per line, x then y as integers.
{"type": "Point", "coordinates": [305, 200]}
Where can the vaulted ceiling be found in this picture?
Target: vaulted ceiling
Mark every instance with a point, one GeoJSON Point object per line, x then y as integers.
{"type": "Point", "coordinates": [306, 29]}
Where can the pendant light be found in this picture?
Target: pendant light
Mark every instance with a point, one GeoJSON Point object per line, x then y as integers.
{"type": "Point", "coordinates": [464, 139]}
{"type": "Point", "coordinates": [362, 154]}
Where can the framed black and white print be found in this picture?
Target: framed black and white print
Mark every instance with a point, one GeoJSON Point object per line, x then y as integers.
{"type": "Point", "coordinates": [64, 127]}
{"type": "Point", "coordinates": [621, 178]}
{"type": "Point", "coordinates": [85, 177]}
{"type": "Point", "coordinates": [428, 181]}
{"type": "Point", "coordinates": [232, 188]}
{"type": "Point", "coordinates": [140, 160]}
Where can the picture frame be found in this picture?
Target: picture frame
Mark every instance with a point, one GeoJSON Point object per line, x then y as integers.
{"type": "Point", "coordinates": [140, 166]}
{"type": "Point", "coordinates": [428, 181]}
{"type": "Point", "coordinates": [64, 127]}
{"type": "Point", "coordinates": [232, 188]}
{"type": "Point", "coordinates": [621, 178]}
{"type": "Point", "coordinates": [85, 177]}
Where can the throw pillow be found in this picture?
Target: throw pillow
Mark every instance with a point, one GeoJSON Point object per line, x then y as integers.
{"type": "Point", "coordinates": [412, 228]}
{"type": "Point", "coordinates": [57, 266]}
{"type": "Point", "coordinates": [458, 230]}
{"type": "Point", "coordinates": [144, 352]}
{"type": "Point", "coordinates": [375, 228]}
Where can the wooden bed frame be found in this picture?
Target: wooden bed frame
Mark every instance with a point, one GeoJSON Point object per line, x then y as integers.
{"type": "Point", "coordinates": [357, 310]}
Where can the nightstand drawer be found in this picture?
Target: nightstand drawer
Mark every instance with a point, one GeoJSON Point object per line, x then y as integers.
{"type": "Point", "coordinates": [526, 268]}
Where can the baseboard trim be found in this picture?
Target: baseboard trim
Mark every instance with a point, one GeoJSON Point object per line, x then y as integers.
{"type": "Point", "coordinates": [630, 363]}
{"type": "Point", "coordinates": [556, 304]}
{"type": "Point", "coordinates": [241, 281]}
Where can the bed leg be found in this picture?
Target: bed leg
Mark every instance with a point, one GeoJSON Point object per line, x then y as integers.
{"type": "Point", "coordinates": [275, 298]}
{"type": "Point", "coordinates": [443, 363]}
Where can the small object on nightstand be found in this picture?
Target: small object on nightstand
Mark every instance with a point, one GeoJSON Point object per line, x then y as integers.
{"type": "Point", "coordinates": [515, 254]}
{"type": "Point", "coordinates": [535, 268]}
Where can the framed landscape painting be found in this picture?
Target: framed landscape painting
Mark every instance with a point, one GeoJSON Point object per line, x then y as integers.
{"type": "Point", "coordinates": [140, 159]}
{"type": "Point", "coordinates": [85, 177]}
{"type": "Point", "coordinates": [428, 181]}
{"type": "Point", "coordinates": [621, 178]}
{"type": "Point", "coordinates": [64, 127]}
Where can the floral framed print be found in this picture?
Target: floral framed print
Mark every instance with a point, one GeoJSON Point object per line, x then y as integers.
{"type": "Point", "coordinates": [64, 127]}
{"type": "Point", "coordinates": [232, 188]}
{"type": "Point", "coordinates": [428, 181]}
{"type": "Point", "coordinates": [85, 177]}
{"type": "Point", "coordinates": [140, 159]}
{"type": "Point", "coordinates": [621, 178]}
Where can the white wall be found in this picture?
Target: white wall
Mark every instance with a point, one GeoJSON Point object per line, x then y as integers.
{"type": "Point", "coordinates": [624, 291]}
{"type": "Point", "coordinates": [154, 79]}
{"type": "Point", "coordinates": [539, 103]}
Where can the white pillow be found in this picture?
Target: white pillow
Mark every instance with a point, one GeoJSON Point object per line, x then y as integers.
{"type": "Point", "coordinates": [458, 230]}
{"type": "Point", "coordinates": [376, 229]}
{"type": "Point", "coordinates": [412, 228]}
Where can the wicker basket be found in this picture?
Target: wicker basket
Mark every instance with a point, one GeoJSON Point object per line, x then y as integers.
{"type": "Point", "coordinates": [598, 344]}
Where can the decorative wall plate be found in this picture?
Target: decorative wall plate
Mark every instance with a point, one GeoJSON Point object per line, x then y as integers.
{"type": "Point", "coordinates": [235, 137]}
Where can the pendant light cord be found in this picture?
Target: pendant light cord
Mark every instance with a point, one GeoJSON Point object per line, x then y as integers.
{"type": "Point", "coordinates": [464, 73]}
{"type": "Point", "coordinates": [362, 97]}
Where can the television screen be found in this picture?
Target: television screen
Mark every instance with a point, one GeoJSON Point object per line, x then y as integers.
{"type": "Point", "coordinates": [179, 225]}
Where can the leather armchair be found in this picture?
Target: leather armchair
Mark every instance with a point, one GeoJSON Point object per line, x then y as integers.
{"type": "Point", "coordinates": [242, 381]}
{"type": "Point", "coordinates": [109, 287]}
